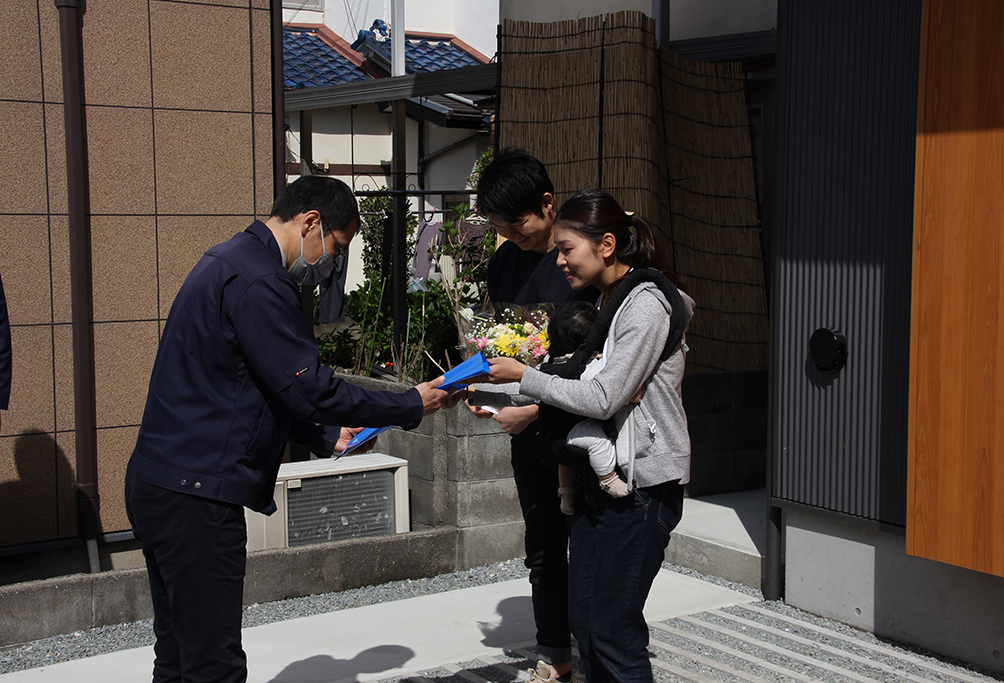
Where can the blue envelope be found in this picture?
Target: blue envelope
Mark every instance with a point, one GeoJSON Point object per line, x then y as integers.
{"type": "Point", "coordinates": [362, 437]}
{"type": "Point", "coordinates": [475, 366]}
{"type": "Point", "coordinates": [453, 381]}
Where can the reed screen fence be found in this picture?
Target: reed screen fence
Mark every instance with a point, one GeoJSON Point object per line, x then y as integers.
{"type": "Point", "coordinates": [603, 106]}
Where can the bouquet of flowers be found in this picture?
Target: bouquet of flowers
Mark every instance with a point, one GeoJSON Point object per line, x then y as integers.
{"type": "Point", "coordinates": [518, 332]}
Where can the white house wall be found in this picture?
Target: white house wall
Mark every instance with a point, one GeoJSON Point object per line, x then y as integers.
{"type": "Point", "coordinates": [473, 21]}
{"type": "Point", "coordinates": [451, 170]}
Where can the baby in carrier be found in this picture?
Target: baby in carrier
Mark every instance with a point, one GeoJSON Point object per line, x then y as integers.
{"type": "Point", "coordinates": [567, 329]}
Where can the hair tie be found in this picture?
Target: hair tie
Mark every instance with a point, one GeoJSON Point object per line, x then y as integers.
{"type": "Point", "coordinates": [630, 225]}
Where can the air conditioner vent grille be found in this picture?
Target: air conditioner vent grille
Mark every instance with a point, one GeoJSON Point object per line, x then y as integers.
{"type": "Point", "coordinates": [343, 506]}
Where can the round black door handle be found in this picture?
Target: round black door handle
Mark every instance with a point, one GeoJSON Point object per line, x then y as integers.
{"type": "Point", "coordinates": [828, 349]}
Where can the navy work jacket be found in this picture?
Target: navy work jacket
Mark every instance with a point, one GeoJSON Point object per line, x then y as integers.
{"type": "Point", "coordinates": [238, 374]}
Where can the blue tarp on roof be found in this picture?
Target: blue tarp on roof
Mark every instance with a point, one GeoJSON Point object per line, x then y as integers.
{"type": "Point", "coordinates": [311, 63]}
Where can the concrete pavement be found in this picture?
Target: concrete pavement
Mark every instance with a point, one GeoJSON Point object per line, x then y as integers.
{"type": "Point", "coordinates": [392, 639]}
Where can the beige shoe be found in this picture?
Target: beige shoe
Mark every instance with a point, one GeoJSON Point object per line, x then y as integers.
{"type": "Point", "coordinates": [542, 674]}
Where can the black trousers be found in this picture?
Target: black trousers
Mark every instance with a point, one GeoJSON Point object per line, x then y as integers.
{"type": "Point", "coordinates": [546, 544]}
{"type": "Point", "coordinates": [195, 552]}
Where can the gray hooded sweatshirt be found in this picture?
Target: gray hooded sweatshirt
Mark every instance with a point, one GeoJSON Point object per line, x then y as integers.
{"type": "Point", "coordinates": [632, 354]}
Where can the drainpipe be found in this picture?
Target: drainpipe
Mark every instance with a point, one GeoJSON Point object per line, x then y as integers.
{"type": "Point", "coordinates": [85, 415]}
{"type": "Point", "coordinates": [278, 102]}
{"type": "Point", "coordinates": [399, 301]}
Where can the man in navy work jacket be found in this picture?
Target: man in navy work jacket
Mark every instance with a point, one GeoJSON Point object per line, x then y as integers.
{"type": "Point", "coordinates": [238, 375]}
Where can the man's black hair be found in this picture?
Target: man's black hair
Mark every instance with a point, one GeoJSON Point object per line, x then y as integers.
{"type": "Point", "coordinates": [568, 326]}
{"type": "Point", "coordinates": [512, 185]}
{"type": "Point", "coordinates": [332, 198]}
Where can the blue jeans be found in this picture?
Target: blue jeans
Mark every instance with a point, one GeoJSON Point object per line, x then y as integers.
{"type": "Point", "coordinates": [617, 548]}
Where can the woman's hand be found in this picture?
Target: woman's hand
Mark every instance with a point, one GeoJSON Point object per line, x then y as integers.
{"type": "Point", "coordinates": [505, 370]}
{"type": "Point", "coordinates": [514, 419]}
{"type": "Point", "coordinates": [479, 412]}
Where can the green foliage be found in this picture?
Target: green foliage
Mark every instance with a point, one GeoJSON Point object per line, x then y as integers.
{"type": "Point", "coordinates": [479, 166]}
{"type": "Point", "coordinates": [371, 229]}
{"type": "Point", "coordinates": [465, 246]}
{"type": "Point", "coordinates": [430, 340]}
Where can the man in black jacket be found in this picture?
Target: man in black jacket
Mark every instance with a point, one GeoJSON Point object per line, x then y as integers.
{"type": "Point", "coordinates": [237, 375]}
{"type": "Point", "coordinates": [515, 193]}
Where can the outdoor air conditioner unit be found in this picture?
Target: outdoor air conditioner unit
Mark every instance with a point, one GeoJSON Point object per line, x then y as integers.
{"type": "Point", "coordinates": [331, 500]}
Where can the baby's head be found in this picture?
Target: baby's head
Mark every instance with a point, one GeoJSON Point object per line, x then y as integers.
{"type": "Point", "coordinates": [568, 326]}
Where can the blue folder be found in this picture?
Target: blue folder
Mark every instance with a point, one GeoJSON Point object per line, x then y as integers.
{"type": "Point", "coordinates": [453, 381]}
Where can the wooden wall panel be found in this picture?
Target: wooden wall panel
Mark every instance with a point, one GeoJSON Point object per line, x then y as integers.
{"type": "Point", "coordinates": [956, 449]}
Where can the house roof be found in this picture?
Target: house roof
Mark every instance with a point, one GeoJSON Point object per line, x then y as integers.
{"type": "Point", "coordinates": [310, 62]}
{"type": "Point", "coordinates": [421, 55]}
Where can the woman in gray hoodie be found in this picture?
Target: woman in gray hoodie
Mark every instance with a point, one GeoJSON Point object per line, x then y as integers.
{"type": "Point", "coordinates": [617, 544]}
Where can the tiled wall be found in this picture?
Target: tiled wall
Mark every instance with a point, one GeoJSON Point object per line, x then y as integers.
{"type": "Point", "coordinates": [179, 144]}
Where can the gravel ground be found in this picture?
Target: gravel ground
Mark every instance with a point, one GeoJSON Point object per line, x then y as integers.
{"type": "Point", "coordinates": [107, 639]}
{"type": "Point", "coordinates": [124, 636]}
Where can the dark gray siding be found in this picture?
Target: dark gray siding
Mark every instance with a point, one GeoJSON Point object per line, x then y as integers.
{"type": "Point", "coordinates": [848, 75]}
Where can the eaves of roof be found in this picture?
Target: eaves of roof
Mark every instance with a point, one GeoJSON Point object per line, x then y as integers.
{"type": "Point", "coordinates": [471, 79]}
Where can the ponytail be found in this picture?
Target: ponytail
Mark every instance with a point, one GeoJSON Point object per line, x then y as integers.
{"type": "Point", "coordinates": [594, 213]}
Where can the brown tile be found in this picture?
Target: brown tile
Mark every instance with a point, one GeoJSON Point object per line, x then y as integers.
{"type": "Point", "coordinates": [55, 160]}
{"type": "Point", "coordinates": [201, 57]}
{"type": "Point", "coordinates": [59, 253]}
{"type": "Point", "coordinates": [204, 163]}
{"type": "Point", "coordinates": [23, 158]}
{"type": "Point", "coordinates": [24, 264]}
{"type": "Point", "coordinates": [27, 489]}
{"type": "Point", "coordinates": [114, 448]}
{"type": "Point", "coordinates": [123, 267]}
{"type": "Point", "coordinates": [181, 243]}
{"type": "Point", "coordinates": [62, 354]}
{"type": "Point", "coordinates": [260, 4]}
{"type": "Point", "coordinates": [116, 46]}
{"type": "Point", "coordinates": [120, 160]}
{"type": "Point", "coordinates": [31, 381]}
{"type": "Point", "coordinates": [20, 56]}
{"type": "Point", "coordinates": [66, 485]}
{"type": "Point", "coordinates": [52, 55]}
{"type": "Point", "coordinates": [220, 3]}
{"type": "Point", "coordinates": [264, 195]}
{"type": "Point", "coordinates": [261, 51]}
{"type": "Point", "coordinates": [123, 359]}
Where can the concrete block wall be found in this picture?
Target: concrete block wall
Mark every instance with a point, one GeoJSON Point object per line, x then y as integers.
{"type": "Point", "coordinates": [727, 418]}
{"type": "Point", "coordinates": [464, 511]}
{"type": "Point", "coordinates": [459, 476]}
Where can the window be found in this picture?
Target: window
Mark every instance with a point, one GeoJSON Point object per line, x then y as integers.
{"type": "Point", "coordinates": [303, 4]}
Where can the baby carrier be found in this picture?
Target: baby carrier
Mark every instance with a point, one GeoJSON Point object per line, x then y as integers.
{"type": "Point", "coordinates": [553, 423]}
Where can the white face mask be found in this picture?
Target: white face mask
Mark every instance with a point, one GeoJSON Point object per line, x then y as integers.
{"type": "Point", "coordinates": [312, 273]}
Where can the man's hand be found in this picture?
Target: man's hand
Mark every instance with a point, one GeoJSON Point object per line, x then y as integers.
{"type": "Point", "coordinates": [514, 419]}
{"type": "Point", "coordinates": [505, 370]}
{"type": "Point", "coordinates": [345, 435]}
{"type": "Point", "coordinates": [432, 398]}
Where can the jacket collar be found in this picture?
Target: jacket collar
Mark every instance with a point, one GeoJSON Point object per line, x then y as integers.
{"type": "Point", "coordinates": [264, 234]}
